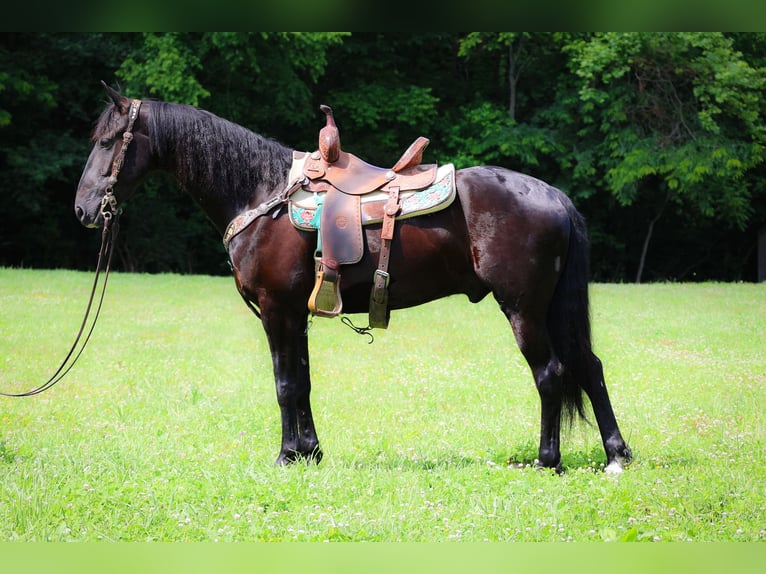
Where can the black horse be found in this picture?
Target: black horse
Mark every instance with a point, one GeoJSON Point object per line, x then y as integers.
{"type": "Point", "coordinates": [506, 233]}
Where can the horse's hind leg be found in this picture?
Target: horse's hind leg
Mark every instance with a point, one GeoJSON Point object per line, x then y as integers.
{"type": "Point", "coordinates": [618, 454]}
{"type": "Point", "coordinates": [532, 337]}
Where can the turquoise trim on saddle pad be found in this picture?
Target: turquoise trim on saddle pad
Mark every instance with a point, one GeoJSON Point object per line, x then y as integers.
{"type": "Point", "coordinates": [304, 213]}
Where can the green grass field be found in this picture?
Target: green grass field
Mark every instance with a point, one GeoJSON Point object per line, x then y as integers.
{"type": "Point", "coordinates": [168, 426]}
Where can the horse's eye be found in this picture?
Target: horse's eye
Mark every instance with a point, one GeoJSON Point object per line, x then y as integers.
{"type": "Point", "coordinates": [105, 143]}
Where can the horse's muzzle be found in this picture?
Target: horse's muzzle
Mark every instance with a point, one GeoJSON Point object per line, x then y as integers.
{"type": "Point", "coordinates": [87, 219]}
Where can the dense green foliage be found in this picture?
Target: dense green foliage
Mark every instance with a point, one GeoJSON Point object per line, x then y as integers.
{"type": "Point", "coordinates": [168, 426]}
{"type": "Point", "coordinates": [659, 138]}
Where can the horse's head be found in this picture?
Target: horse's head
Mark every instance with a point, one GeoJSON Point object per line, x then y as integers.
{"type": "Point", "coordinates": [118, 161]}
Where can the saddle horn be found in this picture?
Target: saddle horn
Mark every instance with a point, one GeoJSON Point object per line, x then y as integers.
{"type": "Point", "coordinates": [329, 137]}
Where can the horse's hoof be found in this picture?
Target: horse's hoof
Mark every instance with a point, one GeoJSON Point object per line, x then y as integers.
{"type": "Point", "coordinates": [558, 469]}
{"type": "Point", "coordinates": [620, 462]}
{"type": "Point", "coordinates": [315, 456]}
{"type": "Point", "coordinates": [283, 460]}
{"type": "Point", "coordinates": [291, 457]}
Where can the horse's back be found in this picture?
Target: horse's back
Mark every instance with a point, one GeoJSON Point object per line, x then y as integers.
{"type": "Point", "coordinates": [497, 189]}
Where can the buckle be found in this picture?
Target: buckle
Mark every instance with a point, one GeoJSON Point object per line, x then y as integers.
{"type": "Point", "coordinates": [383, 275]}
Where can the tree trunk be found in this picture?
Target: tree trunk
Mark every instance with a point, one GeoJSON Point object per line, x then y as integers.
{"type": "Point", "coordinates": [762, 253]}
{"type": "Point", "coordinates": [648, 238]}
{"type": "Point", "coordinates": [511, 82]}
{"type": "Point", "coordinates": [514, 72]}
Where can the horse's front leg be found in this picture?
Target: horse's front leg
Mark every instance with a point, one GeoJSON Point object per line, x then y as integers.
{"type": "Point", "coordinates": [288, 342]}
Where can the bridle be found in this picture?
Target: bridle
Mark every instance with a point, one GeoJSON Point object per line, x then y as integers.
{"type": "Point", "coordinates": [110, 213]}
{"type": "Point", "coordinates": [109, 201]}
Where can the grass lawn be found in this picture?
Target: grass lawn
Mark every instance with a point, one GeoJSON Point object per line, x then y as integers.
{"type": "Point", "coordinates": [167, 428]}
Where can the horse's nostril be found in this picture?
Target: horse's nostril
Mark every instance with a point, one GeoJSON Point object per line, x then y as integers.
{"type": "Point", "coordinates": [80, 213]}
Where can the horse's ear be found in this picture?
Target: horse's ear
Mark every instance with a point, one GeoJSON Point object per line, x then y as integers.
{"type": "Point", "coordinates": [119, 100]}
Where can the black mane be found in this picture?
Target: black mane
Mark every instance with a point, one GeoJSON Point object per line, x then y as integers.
{"type": "Point", "coordinates": [214, 154]}
{"type": "Point", "coordinates": [209, 153]}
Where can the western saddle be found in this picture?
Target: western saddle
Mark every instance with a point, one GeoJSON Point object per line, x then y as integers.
{"type": "Point", "coordinates": [338, 193]}
{"type": "Point", "coordinates": [345, 178]}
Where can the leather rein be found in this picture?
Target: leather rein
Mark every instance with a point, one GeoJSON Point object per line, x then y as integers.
{"type": "Point", "coordinates": [110, 214]}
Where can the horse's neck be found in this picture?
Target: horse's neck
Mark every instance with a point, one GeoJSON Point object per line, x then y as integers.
{"type": "Point", "coordinates": [222, 166]}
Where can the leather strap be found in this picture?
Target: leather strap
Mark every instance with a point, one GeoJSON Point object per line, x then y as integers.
{"type": "Point", "coordinates": [243, 220]}
{"type": "Point", "coordinates": [379, 296]}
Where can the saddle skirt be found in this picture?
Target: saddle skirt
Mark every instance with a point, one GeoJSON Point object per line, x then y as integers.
{"type": "Point", "coordinates": [304, 204]}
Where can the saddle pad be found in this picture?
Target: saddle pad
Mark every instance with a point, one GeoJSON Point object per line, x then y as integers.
{"type": "Point", "coordinates": [439, 195]}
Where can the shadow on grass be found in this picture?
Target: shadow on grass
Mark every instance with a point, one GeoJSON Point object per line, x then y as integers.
{"type": "Point", "coordinates": [7, 454]}
{"type": "Point", "coordinates": [520, 456]}
{"type": "Point", "coordinates": [524, 456]}
{"type": "Point", "coordinates": [418, 464]}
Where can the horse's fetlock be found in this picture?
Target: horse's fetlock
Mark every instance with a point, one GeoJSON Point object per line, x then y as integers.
{"type": "Point", "coordinates": [617, 450]}
{"type": "Point", "coordinates": [548, 458]}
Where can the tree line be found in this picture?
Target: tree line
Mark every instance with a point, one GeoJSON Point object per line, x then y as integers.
{"type": "Point", "coordinates": [658, 138]}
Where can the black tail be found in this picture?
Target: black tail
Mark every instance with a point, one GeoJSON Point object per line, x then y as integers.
{"type": "Point", "coordinates": [569, 316]}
